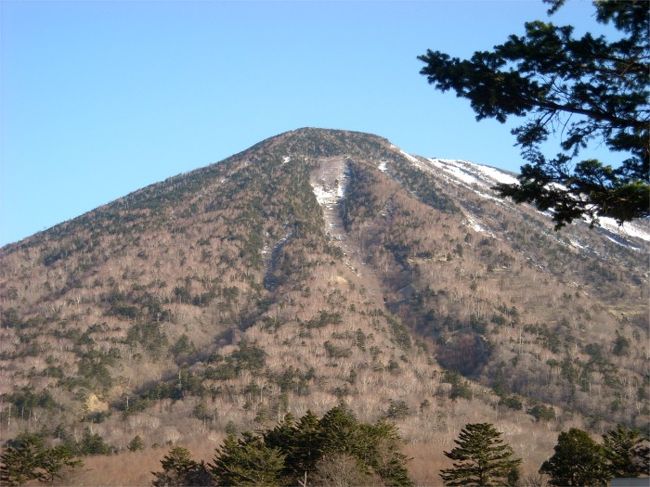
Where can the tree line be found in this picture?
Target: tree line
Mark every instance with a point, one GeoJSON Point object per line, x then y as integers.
{"type": "Point", "coordinates": [337, 449]}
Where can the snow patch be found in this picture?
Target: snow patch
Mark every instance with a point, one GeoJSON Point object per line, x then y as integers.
{"type": "Point", "coordinates": [325, 196]}
{"type": "Point", "coordinates": [340, 189]}
{"type": "Point", "coordinates": [456, 176]}
{"type": "Point", "coordinates": [496, 175]}
{"type": "Point", "coordinates": [457, 172]}
{"type": "Point", "coordinates": [472, 173]}
{"type": "Point", "coordinates": [626, 230]}
{"type": "Point", "coordinates": [489, 197]}
{"type": "Point", "coordinates": [382, 166]}
{"type": "Point", "coordinates": [328, 194]}
{"type": "Point", "coordinates": [285, 159]}
{"type": "Point", "coordinates": [576, 244]}
{"type": "Point", "coordinates": [477, 227]}
{"type": "Point", "coordinates": [617, 242]}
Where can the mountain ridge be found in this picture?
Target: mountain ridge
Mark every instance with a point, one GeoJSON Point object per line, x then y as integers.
{"type": "Point", "coordinates": [505, 176]}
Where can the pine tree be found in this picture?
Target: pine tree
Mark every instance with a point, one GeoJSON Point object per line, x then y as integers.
{"type": "Point", "coordinates": [136, 444]}
{"type": "Point", "coordinates": [21, 460]}
{"type": "Point", "coordinates": [54, 461]}
{"type": "Point", "coordinates": [179, 470]}
{"type": "Point", "coordinates": [282, 437]}
{"type": "Point", "coordinates": [93, 444]}
{"type": "Point", "coordinates": [339, 431]}
{"type": "Point", "coordinates": [627, 452]}
{"type": "Point", "coordinates": [301, 443]}
{"type": "Point", "coordinates": [480, 459]}
{"type": "Point", "coordinates": [308, 448]}
{"type": "Point", "coordinates": [578, 460]}
{"type": "Point", "coordinates": [587, 89]}
{"type": "Point", "coordinates": [27, 458]}
{"type": "Point", "coordinates": [247, 462]}
{"type": "Point", "coordinates": [382, 452]}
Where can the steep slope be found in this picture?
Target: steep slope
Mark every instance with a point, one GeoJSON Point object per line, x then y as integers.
{"type": "Point", "coordinates": [508, 300]}
{"type": "Point", "coordinates": [322, 266]}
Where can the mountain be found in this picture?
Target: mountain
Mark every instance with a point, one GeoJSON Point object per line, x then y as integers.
{"type": "Point", "coordinates": [318, 267]}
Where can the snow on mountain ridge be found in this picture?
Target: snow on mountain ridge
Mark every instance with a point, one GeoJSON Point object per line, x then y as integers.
{"type": "Point", "coordinates": [627, 229]}
{"type": "Point", "coordinates": [481, 179]}
{"type": "Point", "coordinates": [471, 171]}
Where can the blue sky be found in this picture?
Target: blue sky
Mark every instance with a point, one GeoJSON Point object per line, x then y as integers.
{"type": "Point", "coordinates": [98, 99]}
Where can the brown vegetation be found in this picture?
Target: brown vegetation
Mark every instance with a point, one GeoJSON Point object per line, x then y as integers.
{"type": "Point", "coordinates": [225, 298]}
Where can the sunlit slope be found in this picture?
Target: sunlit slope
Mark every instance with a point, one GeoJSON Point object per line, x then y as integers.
{"type": "Point", "coordinates": [316, 267]}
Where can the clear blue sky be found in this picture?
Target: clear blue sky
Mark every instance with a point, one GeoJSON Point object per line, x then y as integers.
{"type": "Point", "coordinates": [98, 99]}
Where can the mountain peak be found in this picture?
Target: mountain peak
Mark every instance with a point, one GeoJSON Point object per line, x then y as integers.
{"type": "Point", "coordinates": [322, 142]}
{"type": "Point", "coordinates": [326, 133]}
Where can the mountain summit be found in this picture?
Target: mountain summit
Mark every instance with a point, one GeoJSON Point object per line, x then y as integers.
{"type": "Point", "coordinates": [319, 267]}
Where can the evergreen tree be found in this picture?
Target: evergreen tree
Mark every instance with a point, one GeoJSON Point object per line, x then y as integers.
{"type": "Point", "coordinates": [308, 446]}
{"type": "Point", "coordinates": [54, 461]}
{"type": "Point", "coordinates": [247, 462]}
{"type": "Point", "coordinates": [179, 470]}
{"type": "Point", "coordinates": [382, 443]}
{"type": "Point", "coordinates": [578, 460]}
{"type": "Point", "coordinates": [27, 458]}
{"type": "Point", "coordinates": [376, 447]}
{"type": "Point", "coordinates": [627, 452]}
{"type": "Point", "coordinates": [301, 443]}
{"type": "Point", "coordinates": [339, 431]}
{"type": "Point", "coordinates": [21, 460]}
{"type": "Point", "coordinates": [312, 446]}
{"type": "Point", "coordinates": [93, 444]}
{"type": "Point", "coordinates": [589, 88]}
{"type": "Point", "coordinates": [480, 459]}
{"type": "Point", "coordinates": [136, 444]}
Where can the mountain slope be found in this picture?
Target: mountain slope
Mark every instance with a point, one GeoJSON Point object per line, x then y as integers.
{"type": "Point", "coordinates": [321, 266]}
